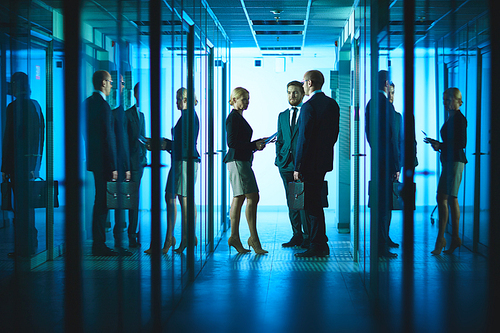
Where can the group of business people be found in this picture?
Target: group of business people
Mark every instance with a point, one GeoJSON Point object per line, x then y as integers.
{"type": "Point", "coordinates": [113, 152]}
{"type": "Point", "coordinates": [305, 139]}
{"type": "Point", "coordinates": [390, 161]}
{"type": "Point", "coordinates": [304, 151]}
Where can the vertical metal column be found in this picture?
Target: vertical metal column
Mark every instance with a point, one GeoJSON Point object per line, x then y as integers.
{"type": "Point", "coordinates": [494, 244]}
{"type": "Point", "coordinates": [72, 123]}
{"type": "Point", "coordinates": [211, 152]}
{"type": "Point", "coordinates": [190, 166]}
{"type": "Point", "coordinates": [155, 84]}
{"type": "Point", "coordinates": [223, 208]}
{"type": "Point", "coordinates": [374, 32]}
{"type": "Point", "coordinates": [49, 130]}
{"type": "Point", "coordinates": [409, 164]}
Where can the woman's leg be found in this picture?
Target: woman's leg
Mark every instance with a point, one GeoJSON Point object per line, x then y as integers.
{"type": "Point", "coordinates": [184, 213]}
{"type": "Point", "coordinates": [235, 215]}
{"type": "Point", "coordinates": [455, 224]}
{"type": "Point", "coordinates": [442, 200]}
{"type": "Point", "coordinates": [251, 215]}
{"type": "Point", "coordinates": [171, 217]}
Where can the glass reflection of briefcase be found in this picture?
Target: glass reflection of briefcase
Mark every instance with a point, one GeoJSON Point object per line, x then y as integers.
{"type": "Point", "coordinates": [296, 195]}
{"type": "Point", "coordinates": [122, 195]}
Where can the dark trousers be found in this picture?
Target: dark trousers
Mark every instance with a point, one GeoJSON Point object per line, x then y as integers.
{"type": "Point", "coordinates": [384, 213]}
{"type": "Point", "coordinates": [100, 212]}
{"type": "Point", "coordinates": [298, 218]}
{"type": "Point", "coordinates": [314, 208]}
{"type": "Point", "coordinates": [133, 214]}
{"type": "Point", "coordinates": [25, 233]}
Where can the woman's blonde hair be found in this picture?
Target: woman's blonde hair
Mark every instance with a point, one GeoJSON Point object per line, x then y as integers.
{"type": "Point", "coordinates": [237, 93]}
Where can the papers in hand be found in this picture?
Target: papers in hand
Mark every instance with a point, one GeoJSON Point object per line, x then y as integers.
{"type": "Point", "coordinates": [271, 138]}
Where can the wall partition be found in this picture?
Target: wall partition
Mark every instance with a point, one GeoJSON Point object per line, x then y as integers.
{"type": "Point", "coordinates": [136, 87]}
{"type": "Point", "coordinates": [424, 51]}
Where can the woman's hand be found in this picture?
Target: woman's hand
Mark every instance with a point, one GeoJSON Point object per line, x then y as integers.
{"type": "Point", "coordinates": [261, 144]}
{"type": "Point", "coordinates": [436, 145]}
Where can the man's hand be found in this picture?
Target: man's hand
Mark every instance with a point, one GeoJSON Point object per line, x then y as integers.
{"type": "Point", "coordinates": [128, 175]}
{"type": "Point", "coordinates": [114, 175]}
{"type": "Point", "coordinates": [396, 176]}
{"type": "Point", "coordinates": [4, 176]}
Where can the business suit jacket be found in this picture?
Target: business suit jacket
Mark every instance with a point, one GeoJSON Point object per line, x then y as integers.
{"type": "Point", "coordinates": [239, 133]}
{"type": "Point", "coordinates": [136, 127]}
{"type": "Point", "coordinates": [389, 139]}
{"type": "Point", "coordinates": [180, 138]}
{"type": "Point", "coordinates": [24, 135]}
{"type": "Point", "coordinates": [100, 135]}
{"type": "Point", "coordinates": [286, 141]}
{"type": "Point", "coordinates": [318, 132]}
{"type": "Point", "coordinates": [122, 141]}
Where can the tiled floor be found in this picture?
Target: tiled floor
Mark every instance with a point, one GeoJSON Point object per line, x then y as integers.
{"type": "Point", "coordinates": [275, 292]}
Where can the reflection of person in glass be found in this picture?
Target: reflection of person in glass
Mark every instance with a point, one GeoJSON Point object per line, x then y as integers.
{"type": "Point", "coordinates": [123, 163]}
{"type": "Point", "coordinates": [454, 135]}
{"type": "Point", "coordinates": [21, 159]}
{"type": "Point", "coordinates": [101, 156]}
{"type": "Point", "coordinates": [177, 185]}
{"type": "Point", "coordinates": [239, 163]}
{"type": "Point", "coordinates": [136, 130]}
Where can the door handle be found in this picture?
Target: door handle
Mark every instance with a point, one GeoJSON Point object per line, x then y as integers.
{"type": "Point", "coordinates": [359, 155]}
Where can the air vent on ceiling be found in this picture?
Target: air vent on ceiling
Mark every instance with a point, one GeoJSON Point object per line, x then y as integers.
{"type": "Point", "coordinates": [278, 32]}
{"type": "Point", "coordinates": [278, 22]}
{"type": "Point", "coordinates": [281, 48]}
{"type": "Point", "coordinates": [282, 54]}
{"type": "Point", "coordinates": [166, 22]}
{"type": "Point", "coordinates": [166, 33]}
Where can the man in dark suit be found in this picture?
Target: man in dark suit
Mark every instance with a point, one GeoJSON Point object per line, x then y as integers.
{"type": "Point", "coordinates": [318, 132]}
{"type": "Point", "coordinates": [136, 132]}
{"type": "Point", "coordinates": [21, 160]}
{"type": "Point", "coordinates": [388, 159]}
{"type": "Point", "coordinates": [286, 141]}
{"type": "Point", "coordinates": [101, 156]}
{"type": "Point", "coordinates": [123, 162]}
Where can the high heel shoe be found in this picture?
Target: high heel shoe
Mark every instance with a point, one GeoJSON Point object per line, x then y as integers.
{"type": "Point", "coordinates": [183, 245]}
{"type": "Point", "coordinates": [455, 242]}
{"type": "Point", "coordinates": [256, 246]}
{"type": "Point", "coordinates": [440, 244]}
{"type": "Point", "coordinates": [167, 245]}
{"type": "Point", "coordinates": [236, 243]}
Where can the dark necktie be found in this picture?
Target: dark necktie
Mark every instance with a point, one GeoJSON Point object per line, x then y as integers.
{"type": "Point", "coordinates": [294, 118]}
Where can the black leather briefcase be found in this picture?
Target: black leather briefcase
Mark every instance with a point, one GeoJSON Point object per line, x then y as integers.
{"type": "Point", "coordinates": [296, 195]}
{"type": "Point", "coordinates": [397, 195]}
{"type": "Point", "coordinates": [122, 195]}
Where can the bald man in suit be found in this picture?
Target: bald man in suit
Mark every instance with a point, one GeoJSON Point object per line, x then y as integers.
{"type": "Point", "coordinates": [288, 132]}
{"type": "Point", "coordinates": [318, 132]}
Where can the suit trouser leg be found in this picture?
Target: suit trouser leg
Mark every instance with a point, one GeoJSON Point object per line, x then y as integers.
{"type": "Point", "coordinates": [385, 215]}
{"type": "Point", "coordinates": [133, 214]}
{"type": "Point", "coordinates": [314, 209]}
{"type": "Point", "coordinates": [298, 218]}
{"type": "Point", "coordinates": [100, 211]}
{"type": "Point", "coordinates": [25, 233]}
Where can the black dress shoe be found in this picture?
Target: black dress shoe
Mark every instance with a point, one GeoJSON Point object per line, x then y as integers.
{"type": "Point", "coordinates": [305, 244]}
{"type": "Point", "coordinates": [387, 254]}
{"type": "Point", "coordinates": [132, 242]}
{"type": "Point", "coordinates": [314, 251]}
{"type": "Point", "coordinates": [295, 241]}
{"type": "Point", "coordinates": [392, 244]}
{"type": "Point", "coordinates": [104, 252]}
{"type": "Point", "coordinates": [123, 252]}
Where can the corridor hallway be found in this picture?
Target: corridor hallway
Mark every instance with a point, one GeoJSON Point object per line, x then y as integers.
{"type": "Point", "coordinates": [256, 293]}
